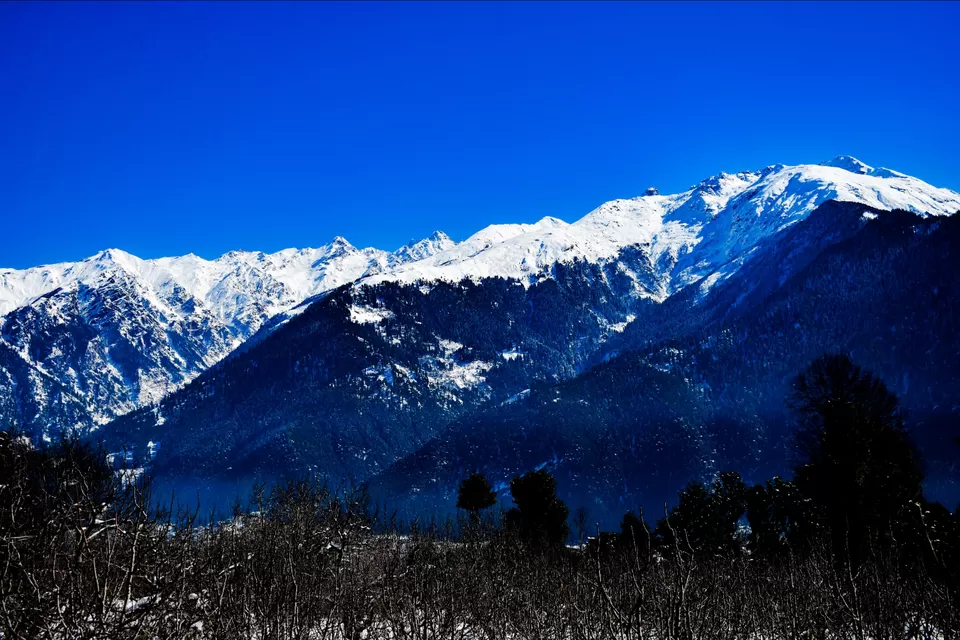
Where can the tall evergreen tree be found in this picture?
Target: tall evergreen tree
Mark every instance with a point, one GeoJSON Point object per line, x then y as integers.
{"type": "Point", "coordinates": [780, 518]}
{"type": "Point", "coordinates": [857, 463]}
{"type": "Point", "coordinates": [634, 533]}
{"type": "Point", "coordinates": [475, 495]}
{"type": "Point", "coordinates": [540, 517]}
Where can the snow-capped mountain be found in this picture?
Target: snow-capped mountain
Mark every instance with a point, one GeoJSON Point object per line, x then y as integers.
{"type": "Point", "coordinates": [682, 237]}
{"type": "Point", "coordinates": [436, 361]}
{"type": "Point", "coordinates": [446, 378]}
{"type": "Point", "coordinates": [119, 332]}
{"type": "Point", "coordinates": [240, 286]}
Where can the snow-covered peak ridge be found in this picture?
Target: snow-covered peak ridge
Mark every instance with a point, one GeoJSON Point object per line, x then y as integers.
{"type": "Point", "coordinates": [248, 286]}
{"type": "Point", "coordinates": [119, 332]}
{"type": "Point", "coordinates": [848, 163]}
{"type": "Point", "coordinates": [435, 243]}
{"type": "Point", "coordinates": [685, 235]}
{"type": "Point", "coordinates": [855, 166]}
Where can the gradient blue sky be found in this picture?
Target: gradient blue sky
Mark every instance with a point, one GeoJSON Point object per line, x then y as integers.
{"type": "Point", "coordinates": [167, 128]}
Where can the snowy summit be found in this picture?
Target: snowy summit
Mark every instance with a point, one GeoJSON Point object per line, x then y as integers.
{"type": "Point", "coordinates": [685, 236]}
{"type": "Point", "coordinates": [117, 332]}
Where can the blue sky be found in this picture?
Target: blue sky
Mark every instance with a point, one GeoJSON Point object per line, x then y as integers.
{"type": "Point", "coordinates": [167, 128]}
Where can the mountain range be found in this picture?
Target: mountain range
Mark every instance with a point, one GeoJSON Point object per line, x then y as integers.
{"type": "Point", "coordinates": [650, 342]}
{"type": "Point", "coordinates": [113, 332]}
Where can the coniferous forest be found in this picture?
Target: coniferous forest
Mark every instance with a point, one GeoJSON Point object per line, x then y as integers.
{"type": "Point", "coordinates": [848, 547]}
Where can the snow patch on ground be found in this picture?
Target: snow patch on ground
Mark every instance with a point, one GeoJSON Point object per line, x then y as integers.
{"type": "Point", "coordinates": [619, 327]}
{"type": "Point", "coordinates": [369, 315]}
{"type": "Point", "coordinates": [450, 346]}
{"type": "Point", "coordinates": [460, 375]}
{"type": "Point", "coordinates": [516, 397]}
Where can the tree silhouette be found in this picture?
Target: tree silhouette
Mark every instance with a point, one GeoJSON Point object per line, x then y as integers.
{"type": "Point", "coordinates": [857, 462]}
{"type": "Point", "coordinates": [580, 518]}
{"type": "Point", "coordinates": [540, 517]}
{"type": "Point", "coordinates": [706, 517]}
{"type": "Point", "coordinates": [780, 518]}
{"type": "Point", "coordinates": [475, 495]}
{"type": "Point", "coordinates": [634, 534]}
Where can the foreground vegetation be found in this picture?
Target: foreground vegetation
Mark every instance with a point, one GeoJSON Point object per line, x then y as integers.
{"type": "Point", "coordinates": [847, 549]}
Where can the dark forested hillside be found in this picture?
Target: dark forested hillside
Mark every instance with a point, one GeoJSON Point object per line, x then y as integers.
{"type": "Point", "coordinates": [367, 375]}
{"type": "Point", "coordinates": [634, 429]}
{"type": "Point", "coordinates": [739, 288]}
{"type": "Point", "coordinates": [419, 385]}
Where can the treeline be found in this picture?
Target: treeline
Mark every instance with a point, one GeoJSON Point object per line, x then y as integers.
{"type": "Point", "coordinates": [848, 548]}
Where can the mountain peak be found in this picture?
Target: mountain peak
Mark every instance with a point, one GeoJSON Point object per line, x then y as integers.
{"type": "Point", "coordinates": [109, 255]}
{"type": "Point", "coordinates": [726, 184]}
{"type": "Point", "coordinates": [113, 258]}
{"type": "Point", "coordinates": [687, 235]}
{"type": "Point", "coordinates": [339, 246]}
{"type": "Point", "coordinates": [849, 163]}
{"type": "Point", "coordinates": [435, 243]}
{"type": "Point", "coordinates": [547, 222]}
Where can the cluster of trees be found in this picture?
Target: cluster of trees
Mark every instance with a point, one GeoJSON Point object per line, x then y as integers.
{"type": "Point", "coordinates": [847, 548]}
{"type": "Point", "coordinates": [856, 497]}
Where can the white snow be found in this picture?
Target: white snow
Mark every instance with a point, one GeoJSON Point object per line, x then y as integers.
{"type": "Point", "coordinates": [184, 313]}
{"type": "Point", "coordinates": [516, 397]}
{"type": "Point", "coordinates": [450, 346]}
{"type": "Point", "coordinates": [687, 235]}
{"type": "Point", "coordinates": [248, 286]}
{"type": "Point", "coordinates": [700, 228]}
{"type": "Point", "coordinates": [462, 375]}
{"type": "Point", "coordinates": [619, 327]}
{"type": "Point", "coordinates": [703, 234]}
{"type": "Point", "coordinates": [369, 315]}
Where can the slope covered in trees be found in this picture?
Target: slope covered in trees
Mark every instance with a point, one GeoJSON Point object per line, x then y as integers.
{"type": "Point", "coordinates": [366, 375]}
{"type": "Point", "coordinates": [34, 401]}
{"type": "Point", "coordinates": [419, 385]}
{"type": "Point", "coordinates": [632, 430]}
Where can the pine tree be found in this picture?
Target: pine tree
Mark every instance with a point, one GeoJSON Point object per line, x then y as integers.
{"type": "Point", "coordinates": [540, 517]}
{"type": "Point", "coordinates": [857, 463]}
{"type": "Point", "coordinates": [780, 518]}
{"type": "Point", "coordinates": [475, 495]}
{"type": "Point", "coordinates": [633, 532]}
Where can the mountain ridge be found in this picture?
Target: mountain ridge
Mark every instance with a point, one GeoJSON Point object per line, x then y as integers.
{"type": "Point", "coordinates": [686, 235]}
{"type": "Point", "coordinates": [120, 332]}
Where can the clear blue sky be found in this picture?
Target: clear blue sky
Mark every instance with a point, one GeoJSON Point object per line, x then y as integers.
{"type": "Point", "coordinates": [168, 128]}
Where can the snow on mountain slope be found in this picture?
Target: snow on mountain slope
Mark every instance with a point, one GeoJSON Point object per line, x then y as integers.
{"type": "Point", "coordinates": [784, 195]}
{"type": "Point", "coordinates": [119, 332]}
{"type": "Point", "coordinates": [425, 248]}
{"type": "Point", "coordinates": [236, 286]}
{"type": "Point", "coordinates": [685, 236]}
